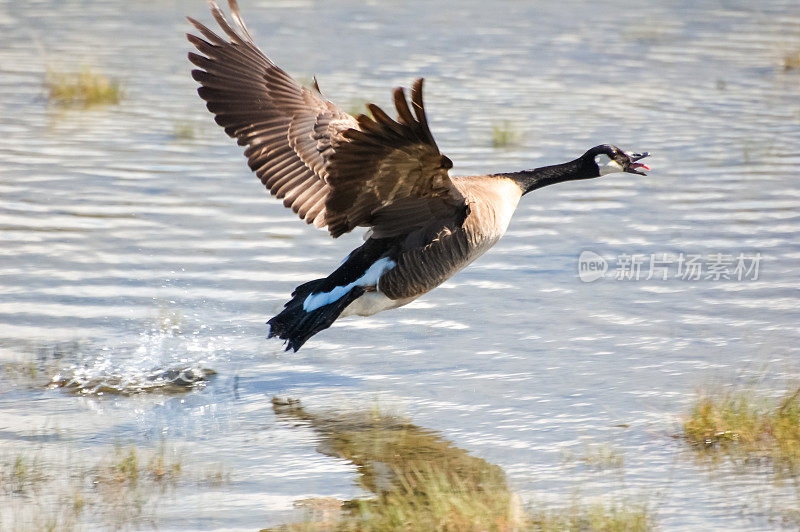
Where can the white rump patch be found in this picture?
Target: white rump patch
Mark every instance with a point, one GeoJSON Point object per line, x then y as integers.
{"type": "Point", "coordinates": [607, 165]}
{"type": "Point", "coordinates": [370, 278]}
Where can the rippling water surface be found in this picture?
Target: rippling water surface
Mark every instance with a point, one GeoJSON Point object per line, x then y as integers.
{"type": "Point", "coordinates": [128, 250]}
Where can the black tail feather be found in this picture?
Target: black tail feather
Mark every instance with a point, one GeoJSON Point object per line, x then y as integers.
{"type": "Point", "coordinates": [295, 325]}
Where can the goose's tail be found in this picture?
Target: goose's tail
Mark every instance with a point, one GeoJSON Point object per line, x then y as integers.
{"type": "Point", "coordinates": [303, 317]}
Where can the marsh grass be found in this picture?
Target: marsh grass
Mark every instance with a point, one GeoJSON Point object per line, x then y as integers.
{"type": "Point", "coordinates": [426, 497]}
{"type": "Point", "coordinates": [744, 422]}
{"type": "Point", "coordinates": [590, 517]}
{"type": "Point", "coordinates": [429, 497]}
{"type": "Point", "coordinates": [121, 488]}
{"type": "Point", "coordinates": [129, 484]}
{"type": "Point", "coordinates": [420, 481]}
{"type": "Point", "coordinates": [129, 464]}
{"type": "Point", "coordinates": [21, 474]}
{"type": "Point", "coordinates": [505, 135]}
{"type": "Point", "coordinates": [27, 500]}
{"type": "Point", "coordinates": [85, 88]}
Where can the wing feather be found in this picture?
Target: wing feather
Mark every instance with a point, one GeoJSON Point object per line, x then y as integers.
{"type": "Point", "coordinates": [387, 161]}
{"type": "Point", "coordinates": [330, 168]}
{"type": "Point", "coordinates": [269, 113]}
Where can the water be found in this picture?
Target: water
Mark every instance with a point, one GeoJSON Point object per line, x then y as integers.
{"type": "Point", "coordinates": [126, 249]}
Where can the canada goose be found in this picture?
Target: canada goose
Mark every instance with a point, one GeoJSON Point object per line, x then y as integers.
{"type": "Point", "coordinates": [341, 172]}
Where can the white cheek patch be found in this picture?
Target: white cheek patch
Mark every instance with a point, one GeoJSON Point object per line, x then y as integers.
{"type": "Point", "coordinates": [370, 278]}
{"type": "Point", "coordinates": [607, 165]}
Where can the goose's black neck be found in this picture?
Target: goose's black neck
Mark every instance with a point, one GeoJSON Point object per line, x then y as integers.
{"type": "Point", "coordinates": [581, 168]}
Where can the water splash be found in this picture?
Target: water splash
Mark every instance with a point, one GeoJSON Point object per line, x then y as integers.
{"type": "Point", "coordinates": [173, 380]}
{"type": "Point", "coordinates": [163, 360]}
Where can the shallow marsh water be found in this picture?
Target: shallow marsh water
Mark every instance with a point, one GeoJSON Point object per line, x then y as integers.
{"type": "Point", "coordinates": [134, 240]}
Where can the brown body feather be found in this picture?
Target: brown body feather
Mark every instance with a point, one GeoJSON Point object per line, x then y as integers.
{"type": "Point", "coordinates": [429, 260]}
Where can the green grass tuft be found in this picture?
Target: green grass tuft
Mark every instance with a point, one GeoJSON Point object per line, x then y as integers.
{"type": "Point", "coordinates": [744, 421]}
{"type": "Point", "coordinates": [127, 467]}
{"type": "Point", "coordinates": [505, 135]}
{"type": "Point", "coordinates": [85, 88]}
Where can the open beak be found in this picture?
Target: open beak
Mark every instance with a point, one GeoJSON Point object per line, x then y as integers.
{"type": "Point", "coordinates": [633, 167]}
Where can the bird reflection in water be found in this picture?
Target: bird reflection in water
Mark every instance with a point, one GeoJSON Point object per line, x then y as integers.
{"type": "Point", "coordinates": [417, 479]}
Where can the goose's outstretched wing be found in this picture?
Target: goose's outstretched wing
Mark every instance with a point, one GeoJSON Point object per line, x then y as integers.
{"type": "Point", "coordinates": [288, 129]}
{"type": "Point", "coordinates": [330, 168]}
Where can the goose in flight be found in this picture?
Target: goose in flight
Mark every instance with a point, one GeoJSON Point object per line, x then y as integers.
{"type": "Point", "coordinates": [340, 172]}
